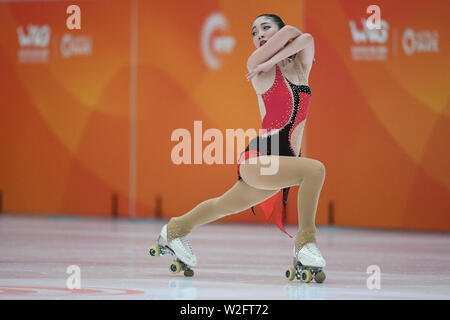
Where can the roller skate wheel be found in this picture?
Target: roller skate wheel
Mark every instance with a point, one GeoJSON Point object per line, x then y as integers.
{"type": "Point", "coordinates": [154, 251]}
{"type": "Point", "coordinates": [320, 276]}
{"type": "Point", "coordinates": [305, 276]}
{"type": "Point", "coordinates": [188, 273]}
{"type": "Point", "coordinates": [290, 274]}
{"type": "Point", "coordinates": [175, 267]}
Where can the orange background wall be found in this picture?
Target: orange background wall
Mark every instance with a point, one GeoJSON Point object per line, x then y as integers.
{"type": "Point", "coordinates": [77, 131]}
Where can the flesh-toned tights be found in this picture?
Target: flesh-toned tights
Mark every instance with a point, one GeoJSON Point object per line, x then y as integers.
{"type": "Point", "coordinates": [255, 187]}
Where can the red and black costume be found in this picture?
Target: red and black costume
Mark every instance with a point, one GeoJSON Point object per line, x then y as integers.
{"type": "Point", "coordinates": [284, 110]}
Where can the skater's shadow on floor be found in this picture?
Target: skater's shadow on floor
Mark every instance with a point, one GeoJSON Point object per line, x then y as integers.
{"type": "Point", "coordinates": [182, 288]}
{"type": "Point", "coordinates": [300, 291]}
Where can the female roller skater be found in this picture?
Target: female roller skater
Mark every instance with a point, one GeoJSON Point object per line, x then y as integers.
{"type": "Point", "coordinates": [279, 70]}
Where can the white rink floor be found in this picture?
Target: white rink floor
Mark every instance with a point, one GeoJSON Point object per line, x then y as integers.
{"type": "Point", "coordinates": [236, 261]}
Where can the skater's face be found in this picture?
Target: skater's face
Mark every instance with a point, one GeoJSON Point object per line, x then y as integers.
{"type": "Point", "coordinates": [263, 28]}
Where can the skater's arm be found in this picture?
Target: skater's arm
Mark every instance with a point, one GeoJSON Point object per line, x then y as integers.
{"type": "Point", "coordinates": [303, 44]}
{"type": "Point", "coordinates": [272, 46]}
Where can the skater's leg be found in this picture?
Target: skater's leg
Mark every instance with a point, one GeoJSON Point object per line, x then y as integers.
{"type": "Point", "coordinates": [306, 172]}
{"type": "Point", "coordinates": [237, 199]}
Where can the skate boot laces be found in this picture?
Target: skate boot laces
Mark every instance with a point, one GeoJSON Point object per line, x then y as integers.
{"type": "Point", "coordinates": [186, 245]}
{"type": "Point", "coordinates": [183, 250]}
{"type": "Point", "coordinates": [309, 255]}
{"type": "Point", "coordinates": [183, 244]}
{"type": "Point", "coordinates": [313, 249]}
{"type": "Point", "coordinates": [310, 249]}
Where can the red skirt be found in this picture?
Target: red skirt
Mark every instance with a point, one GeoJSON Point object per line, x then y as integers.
{"type": "Point", "coordinates": [268, 205]}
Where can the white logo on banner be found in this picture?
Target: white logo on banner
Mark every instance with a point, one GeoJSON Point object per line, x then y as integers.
{"type": "Point", "coordinates": [372, 41]}
{"type": "Point", "coordinates": [420, 41]}
{"type": "Point", "coordinates": [33, 43]}
{"type": "Point", "coordinates": [215, 21]}
{"type": "Point", "coordinates": [75, 45]}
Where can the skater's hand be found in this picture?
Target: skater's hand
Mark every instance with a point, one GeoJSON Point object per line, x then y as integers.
{"type": "Point", "coordinates": [260, 68]}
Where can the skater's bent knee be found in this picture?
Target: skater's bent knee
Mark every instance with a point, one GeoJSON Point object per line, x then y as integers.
{"type": "Point", "coordinates": [321, 168]}
{"type": "Point", "coordinates": [318, 170]}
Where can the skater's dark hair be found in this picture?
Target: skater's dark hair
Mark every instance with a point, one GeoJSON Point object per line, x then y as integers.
{"type": "Point", "coordinates": [278, 21]}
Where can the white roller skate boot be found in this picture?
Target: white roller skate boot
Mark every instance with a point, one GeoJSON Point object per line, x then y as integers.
{"type": "Point", "coordinates": [180, 249]}
{"type": "Point", "coordinates": [308, 264]}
